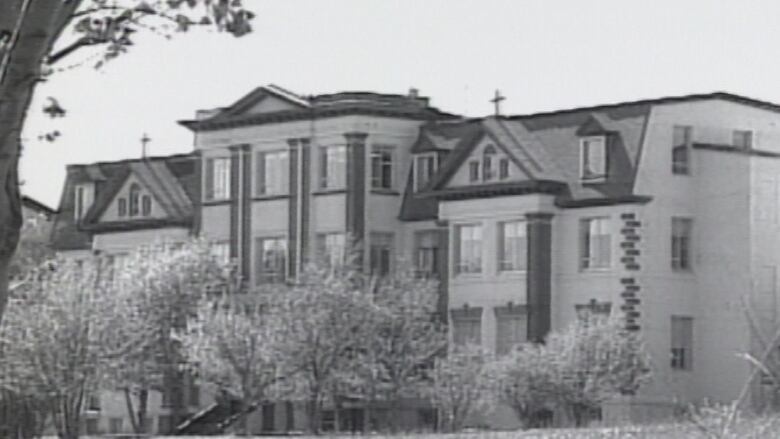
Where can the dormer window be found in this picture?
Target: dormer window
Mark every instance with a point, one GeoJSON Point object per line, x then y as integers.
{"type": "Point", "coordinates": [135, 199]}
{"type": "Point", "coordinates": [593, 158]}
{"type": "Point", "coordinates": [424, 168]}
{"type": "Point", "coordinates": [473, 171]}
{"type": "Point", "coordinates": [488, 160]}
{"type": "Point", "coordinates": [121, 208]}
{"type": "Point", "coordinates": [82, 198]}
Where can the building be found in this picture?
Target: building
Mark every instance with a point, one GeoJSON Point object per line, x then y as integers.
{"type": "Point", "coordinates": [664, 210]}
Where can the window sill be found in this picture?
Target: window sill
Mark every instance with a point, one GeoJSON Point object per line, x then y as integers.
{"type": "Point", "coordinates": [384, 191]}
{"type": "Point", "coordinates": [326, 191]}
{"type": "Point", "coordinates": [218, 202]}
{"type": "Point", "coordinates": [595, 270]}
{"type": "Point", "coordinates": [267, 197]}
{"type": "Point", "coordinates": [593, 180]}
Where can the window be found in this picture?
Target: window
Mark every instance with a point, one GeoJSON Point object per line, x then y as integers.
{"type": "Point", "coordinates": [381, 253]}
{"type": "Point", "coordinates": [681, 144]}
{"type": "Point", "coordinates": [595, 247]}
{"type": "Point", "coordinates": [79, 202]}
{"type": "Point", "coordinates": [221, 251]}
{"type": "Point", "coordinates": [425, 167]}
{"type": "Point", "coordinates": [135, 199]}
{"type": "Point", "coordinates": [488, 154]}
{"type": "Point", "coordinates": [218, 178]}
{"type": "Point", "coordinates": [511, 328]}
{"type": "Point", "coordinates": [382, 167]}
{"type": "Point", "coordinates": [331, 248]}
{"type": "Point", "coordinates": [333, 167]}
{"type": "Point", "coordinates": [512, 249]}
{"type": "Point", "coordinates": [473, 171]}
{"type": "Point", "coordinates": [593, 158]}
{"type": "Point", "coordinates": [92, 426]}
{"type": "Point", "coordinates": [468, 248]}
{"type": "Point", "coordinates": [121, 207]}
{"type": "Point", "coordinates": [503, 169]}
{"type": "Point", "coordinates": [467, 326]}
{"type": "Point", "coordinates": [146, 205]}
{"type": "Point", "coordinates": [115, 425]}
{"type": "Point", "coordinates": [93, 402]}
{"type": "Point", "coordinates": [682, 343]}
{"type": "Point", "coordinates": [268, 417]}
{"type": "Point", "coordinates": [271, 254]}
{"type": "Point", "coordinates": [593, 311]}
{"type": "Point", "coordinates": [743, 139]}
{"type": "Point", "coordinates": [272, 170]}
{"type": "Point", "coordinates": [426, 253]}
{"type": "Point", "coordinates": [681, 243]}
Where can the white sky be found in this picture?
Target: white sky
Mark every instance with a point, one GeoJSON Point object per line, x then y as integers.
{"type": "Point", "coordinates": [541, 54]}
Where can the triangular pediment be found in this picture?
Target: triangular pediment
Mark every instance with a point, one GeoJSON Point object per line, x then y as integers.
{"type": "Point", "coordinates": [266, 99]}
{"type": "Point", "coordinates": [483, 165]}
{"type": "Point", "coordinates": [119, 208]}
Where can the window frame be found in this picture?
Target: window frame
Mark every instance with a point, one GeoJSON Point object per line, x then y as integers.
{"type": "Point", "coordinates": [429, 170]}
{"type": "Point", "coordinates": [215, 183]}
{"type": "Point", "coordinates": [587, 249]}
{"type": "Point", "coordinates": [328, 255]}
{"type": "Point", "coordinates": [474, 170]}
{"type": "Point", "coordinates": [332, 173]}
{"type": "Point", "coordinates": [503, 168]}
{"type": "Point", "coordinates": [585, 159]}
{"type": "Point", "coordinates": [427, 242]}
{"type": "Point", "coordinates": [79, 201]}
{"type": "Point", "coordinates": [471, 317]}
{"type": "Point", "coordinates": [505, 315]}
{"type": "Point", "coordinates": [501, 246]}
{"type": "Point", "coordinates": [681, 254]}
{"type": "Point", "coordinates": [264, 276]}
{"type": "Point", "coordinates": [278, 163]}
{"type": "Point", "coordinates": [681, 152]}
{"type": "Point", "coordinates": [134, 200]}
{"type": "Point", "coordinates": [681, 351]}
{"type": "Point", "coordinates": [382, 247]}
{"type": "Point", "coordinates": [384, 179]}
{"type": "Point", "coordinates": [459, 269]}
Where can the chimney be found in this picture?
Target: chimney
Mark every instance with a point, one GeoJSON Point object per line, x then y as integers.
{"type": "Point", "coordinates": [413, 93]}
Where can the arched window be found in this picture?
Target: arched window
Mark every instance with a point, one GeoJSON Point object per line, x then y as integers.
{"type": "Point", "coordinates": [487, 162]}
{"type": "Point", "coordinates": [146, 205]}
{"type": "Point", "coordinates": [135, 195]}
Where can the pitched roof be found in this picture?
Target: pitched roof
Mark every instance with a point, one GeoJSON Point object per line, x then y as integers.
{"type": "Point", "coordinates": [325, 105]}
{"type": "Point", "coordinates": [172, 180]}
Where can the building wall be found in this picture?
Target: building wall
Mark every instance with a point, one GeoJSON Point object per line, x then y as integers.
{"type": "Point", "coordinates": [123, 242]}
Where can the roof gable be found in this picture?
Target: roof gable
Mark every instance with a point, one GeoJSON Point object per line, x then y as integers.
{"type": "Point", "coordinates": [262, 100]}
{"type": "Point", "coordinates": [111, 211]}
{"type": "Point", "coordinates": [486, 156]}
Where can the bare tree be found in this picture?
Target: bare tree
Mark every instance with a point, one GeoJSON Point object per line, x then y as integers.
{"type": "Point", "coordinates": [37, 35]}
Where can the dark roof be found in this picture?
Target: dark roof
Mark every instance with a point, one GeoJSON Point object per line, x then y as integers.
{"type": "Point", "coordinates": [325, 105]}
{"type": "Point", "coordinates": [37, 206]}
{"type": "Point", "coordinates": [172, 180]}
{"type": "Point", "coordinates": [545, 146]}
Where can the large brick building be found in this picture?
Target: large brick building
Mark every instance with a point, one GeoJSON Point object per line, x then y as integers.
{"type": "Point", "coordinates": [663, 210]}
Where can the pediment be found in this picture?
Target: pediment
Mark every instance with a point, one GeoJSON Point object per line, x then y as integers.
{"type": "Point", "coordinates": [266, 99]}
{"type": "Point", "coordinates": [483, 166]}
{"type": "Point", "coordinates": [120, 209]}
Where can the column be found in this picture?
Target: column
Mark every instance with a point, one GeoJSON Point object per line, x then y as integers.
{"type": "Point", "coordinates": [539, 274]}
{"type": "Point", "coordinates": [293, 220]}
{"type": "Point", "coordinates": [355, 219]}
{"type": "Point", "coordinates": [246, 213]}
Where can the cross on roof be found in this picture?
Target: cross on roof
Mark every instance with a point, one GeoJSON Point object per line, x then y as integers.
{"type": "Point", "coordinates": [145, 139]}
{"type": "Point", "coordinates": [497, 102]}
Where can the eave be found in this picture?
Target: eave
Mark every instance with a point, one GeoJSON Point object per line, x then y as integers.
{"type": "Point", "coordinates": [499, 189]}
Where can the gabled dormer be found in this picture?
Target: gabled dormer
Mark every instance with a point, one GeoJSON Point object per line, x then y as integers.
{"type": "Point", "coordinates": [487, 163]}
{"type": "Point", "coordinates": [133, 201]}
{"type": "Point", "coordinates": [594, 143]}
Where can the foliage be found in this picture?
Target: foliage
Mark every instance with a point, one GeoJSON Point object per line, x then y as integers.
{"type": "Point", "coordinates": [155, 290]}
{"type": "Point", "coordinates": [34, 248]}
{"type": "Point", "coordinates": [576, 370]}
{"type": "Point", "coordinates": [462, 386]}
{"type": "Point", "coordinates": [52, 340]}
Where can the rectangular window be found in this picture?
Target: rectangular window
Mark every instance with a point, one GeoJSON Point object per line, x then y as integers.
{"type": "Point", "coordinates": [121, 207]}
{"type": "Point", "coordinates": [595, 243]}
{"type": "Point", "coordinates": [425, 167]}
{"type": "Point", "coordinates": [681, 144]}
{"type": "Point", "coordinates": [511, 328]}
{"type": "Point", "coordinates": [93, 402]}
{"type": "Point", "coordinates": [473, 171]}
{"type": "Point", "coordinates": [146, 205]}
{"type": "Point", "coordinates": [271, 257]}
{"type": "Point", "coordinates": [115, 425]}
{"type": "Point", "coordinates": [221, 251]}
{"type": "Point", "coordinates": [468, 248]}
{"type": "Point", "coordinates": [503, 169]}
{"type": "Point", "coordinates": [467, 330]}
{"type": "Point", "coordinates": [743, 139]}
{"type": "Point", "coordinates": [512, 249]}
{"type": "Point", "coordinates": [382, 167]}
{"type": "Point", "coordinates": [381, 253]}
{"type": "Point", "coordinates": [271, 173]}
{"type": "Point", "coordinates": [333, 167]}
{"type": "Point", "coordinates": [218, 178]}
{"type": "Point", "coordinates": [426, 253]}
{"type": "Point", "coordinates": [593, 161]}
{"type": "Point", "coordinates": [268, 418]}
{"type": "Point", "coordinates": [682, 229]}
{"type": "Point", "coordinates": [331, 247]}
{"type": "Point", "coordinates": [682, 343]}
{"type": "Point", "coordinates": [92, 426]}
{"type": "Point", "coordinates": [78, 207]}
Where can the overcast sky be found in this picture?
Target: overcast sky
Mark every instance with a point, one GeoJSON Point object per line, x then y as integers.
{"type": "Point", "coordinates": [542, 55]}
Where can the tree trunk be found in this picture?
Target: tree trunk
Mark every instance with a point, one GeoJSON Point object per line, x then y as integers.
{"type": "Point", "coordinates": [33, 26]}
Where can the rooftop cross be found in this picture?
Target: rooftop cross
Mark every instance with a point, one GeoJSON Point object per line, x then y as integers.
{"type": "Point", "coordinates": [145, 139]}
{"type": "Point", "coordinates": [497, 102]}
